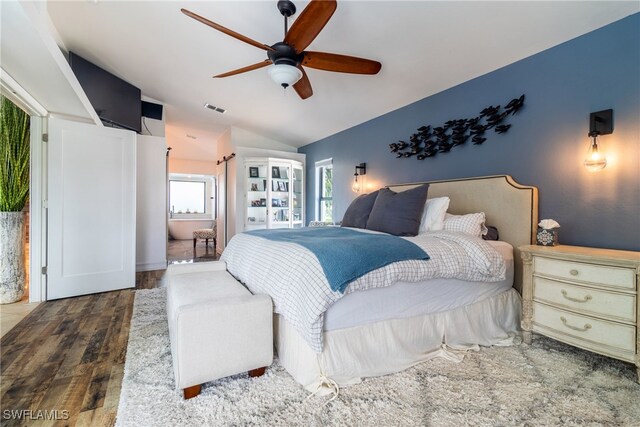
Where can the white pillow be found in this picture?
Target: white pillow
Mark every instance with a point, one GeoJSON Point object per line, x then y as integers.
{"type": "Point", "coordinates": [433, 215]}
{"type": "Point", "coordinates": [470, 224]}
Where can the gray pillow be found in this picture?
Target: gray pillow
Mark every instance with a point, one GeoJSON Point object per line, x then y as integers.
{"type": "Point", "coordinates": [398, 213]}
{"type": "Point", "coordinates": [358, 211]}
{"type": "Point", "coordinates": [492, 233]}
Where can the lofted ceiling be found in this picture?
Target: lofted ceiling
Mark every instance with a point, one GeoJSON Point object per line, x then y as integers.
{"type": "Point", "coordinates": [424, 48]}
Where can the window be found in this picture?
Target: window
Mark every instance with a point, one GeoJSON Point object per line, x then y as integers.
{"type": "Point", "coordinates": [191, 196]}
{"type": "Point", "coordinates": [324, 191]}
{"type": "Point", "coordinates": [187, 197]}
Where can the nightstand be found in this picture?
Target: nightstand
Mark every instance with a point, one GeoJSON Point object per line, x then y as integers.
{"type": "Point", "coordinates": [585, 297]}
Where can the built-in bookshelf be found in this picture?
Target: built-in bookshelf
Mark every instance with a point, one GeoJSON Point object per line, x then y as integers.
{"type": "Point", "coordinates": [274, 193]}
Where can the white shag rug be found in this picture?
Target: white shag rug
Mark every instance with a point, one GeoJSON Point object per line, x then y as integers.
{"type": "Point", "coordinates": [545, 384]}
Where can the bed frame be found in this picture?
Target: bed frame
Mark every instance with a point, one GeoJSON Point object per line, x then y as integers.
{"type": "Point", "coordinates": [508, 206]}
{"type": "Point", "coordinates": [352, 353]}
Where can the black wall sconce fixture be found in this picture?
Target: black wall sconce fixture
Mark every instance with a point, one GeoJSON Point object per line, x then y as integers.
{"type": "Point", "coordinates": [600, 123]}
{"type": "Point", "coordinates": [361, 169]}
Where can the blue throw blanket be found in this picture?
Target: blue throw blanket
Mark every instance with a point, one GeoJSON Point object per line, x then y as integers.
{"type": "Point", "coordinates": [345, 254]}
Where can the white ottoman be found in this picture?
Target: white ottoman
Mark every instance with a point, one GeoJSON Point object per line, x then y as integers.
{"type": "Point", "coordinates": [216, 326]}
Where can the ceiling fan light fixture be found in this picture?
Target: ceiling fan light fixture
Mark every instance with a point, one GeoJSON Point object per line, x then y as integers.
{"type": "Point", "coordinates": [284, 74]}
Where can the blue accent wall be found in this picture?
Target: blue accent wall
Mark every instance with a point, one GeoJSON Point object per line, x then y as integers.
{"type": "Point", "coordinates": [545, 147]}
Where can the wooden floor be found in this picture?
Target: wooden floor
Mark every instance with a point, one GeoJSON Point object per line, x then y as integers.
{"type": "Point", "coordinates": [68, 356]}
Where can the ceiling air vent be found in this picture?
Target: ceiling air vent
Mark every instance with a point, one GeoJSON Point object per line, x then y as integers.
{"type": "Point", "coordinates": [214, 108]}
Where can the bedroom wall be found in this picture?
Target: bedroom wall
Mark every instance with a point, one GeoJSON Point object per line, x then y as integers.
{"type": "Point", "coordinates": [190, 166]}
{"type": "Point", "coordinates": [151, 203]}
{"type": "Point", "coordinates": [545, 147]}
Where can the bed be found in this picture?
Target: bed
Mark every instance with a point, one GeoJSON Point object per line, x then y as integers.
{"type": "Point", "coordinates": [388, 329]}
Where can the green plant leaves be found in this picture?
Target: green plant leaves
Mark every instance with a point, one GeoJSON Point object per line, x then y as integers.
{"type": "Point", "coordinates": [14, 156]}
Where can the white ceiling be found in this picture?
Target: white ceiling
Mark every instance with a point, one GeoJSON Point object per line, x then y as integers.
{"type": "Point", "coordinates": [34, 62]}
{"type": "Point", "coordinates": [425, 47]}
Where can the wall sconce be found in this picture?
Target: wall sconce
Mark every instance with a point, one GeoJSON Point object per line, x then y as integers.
{"type": "Point", "coordinates": [600, 123]}
{"type": "Point", "coordinates": [361, 169]}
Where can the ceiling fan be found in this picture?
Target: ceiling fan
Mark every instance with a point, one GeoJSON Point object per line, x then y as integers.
{"type": "Point", "coordinates": [288, 56]}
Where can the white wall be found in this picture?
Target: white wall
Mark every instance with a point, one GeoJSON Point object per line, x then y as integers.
{"type": "Point", "coordinates": [224, 148]}
{"type": "Point", "coordinates": [244, 138]}
{"type": "Point", "coordinates": [194, 167]}
{"type": "Point", "coordinates": [151, 206]}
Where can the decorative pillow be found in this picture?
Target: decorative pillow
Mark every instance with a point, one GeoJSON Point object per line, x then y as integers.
{"type": "Point", "coordinates": [358, 211]}
{"type": "Point", "coordinates": [470, 224]}
{"type": "Point", "coordinates": [433, 217]}
{"type": "Point", "coordinates": [492, 233]}
{"type": "Point", "coordinates": [398, 213]}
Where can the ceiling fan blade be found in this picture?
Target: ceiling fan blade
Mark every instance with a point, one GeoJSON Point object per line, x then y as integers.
{"type": "Point", "coordinates": [340, 63]}
{"type": "Point", "coordinates": [245, 69]}
{"type": "Point", "coordinates": [309, 24]}
{"type": "Point", "coordinates": [303, 86]}
{"type": "Point", "coordinates": [226, 30]}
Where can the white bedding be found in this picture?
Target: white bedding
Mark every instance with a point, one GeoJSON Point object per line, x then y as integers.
{"type": "Point", "coordinates": [404, 299]}
{"type": "Point", "coordinates": [294, 279]}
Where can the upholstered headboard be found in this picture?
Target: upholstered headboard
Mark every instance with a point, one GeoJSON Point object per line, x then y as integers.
{"type": "Point", "coordinates": [509, 206]}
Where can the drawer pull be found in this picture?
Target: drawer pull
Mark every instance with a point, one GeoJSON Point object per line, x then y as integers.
{"type": "Point", "coordinates": [573, 272]}
{"type": "Point", "coordinates": [586, 326]}
{"type": "Point", "coordinates": [587, 298]}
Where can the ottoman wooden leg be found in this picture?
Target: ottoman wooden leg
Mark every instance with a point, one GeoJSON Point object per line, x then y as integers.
{"type": "Point", "coordinates": [192, 391]}
{"type": "Point", "coordinates": [257, 372]}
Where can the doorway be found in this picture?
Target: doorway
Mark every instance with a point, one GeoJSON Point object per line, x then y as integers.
{"type": "Point", "coordinates": [192, 206]}
{"type": "Point", "coordinates": [14, 203]}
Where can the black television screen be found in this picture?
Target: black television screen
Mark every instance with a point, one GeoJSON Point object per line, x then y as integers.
{"type": "Point", "coordinates": [116, 102]}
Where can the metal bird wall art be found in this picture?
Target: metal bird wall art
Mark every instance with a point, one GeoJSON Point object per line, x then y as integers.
{"type": "Point", "coordinates": [429, 140]}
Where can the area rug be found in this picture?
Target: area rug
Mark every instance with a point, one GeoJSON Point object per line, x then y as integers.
{"type": "Point", "coordinates": [545, 384]}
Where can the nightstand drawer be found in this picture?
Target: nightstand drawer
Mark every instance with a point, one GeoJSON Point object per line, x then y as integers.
{"type": "Point", "coordinates": [587, 273]}
{"type": "Point", "coordinates": [585, 331]}
{"type": "Point", "coordinates": [585, 300]}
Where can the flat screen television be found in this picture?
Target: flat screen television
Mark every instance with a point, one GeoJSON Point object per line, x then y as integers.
{"type": "Point", "coordinates": [116, 102]}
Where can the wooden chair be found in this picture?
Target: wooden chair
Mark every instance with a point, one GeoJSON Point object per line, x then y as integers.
{"type": "Point", "coordinates": [206, 234]}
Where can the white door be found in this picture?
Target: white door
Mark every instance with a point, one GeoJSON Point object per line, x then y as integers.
{"type": "Point", "coordinates": [92, 209]}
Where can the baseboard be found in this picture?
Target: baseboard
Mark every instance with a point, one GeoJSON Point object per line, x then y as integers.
{"type": "Point", "coordinates": [151, 266]}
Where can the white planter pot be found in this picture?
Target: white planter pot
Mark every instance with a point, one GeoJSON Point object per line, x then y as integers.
{"type": "Point", "coordinates": [12, 266]}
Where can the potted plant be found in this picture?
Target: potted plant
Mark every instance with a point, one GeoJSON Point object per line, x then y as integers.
{"type": "Point", "coordinates": [14, 190]}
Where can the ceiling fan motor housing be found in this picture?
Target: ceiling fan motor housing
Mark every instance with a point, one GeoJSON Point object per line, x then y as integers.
{"type": "Point", "coordinates": [284, 54]}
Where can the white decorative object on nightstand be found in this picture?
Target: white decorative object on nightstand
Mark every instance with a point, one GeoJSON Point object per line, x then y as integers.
{"type": "Point", "coordinates": [585, 297]}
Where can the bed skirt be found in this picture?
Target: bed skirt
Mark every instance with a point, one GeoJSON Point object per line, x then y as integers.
{"type": "Point", "coordinates": [394, 345]}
